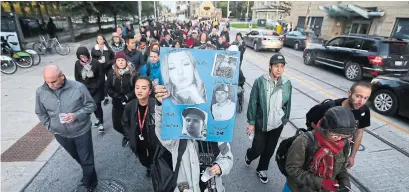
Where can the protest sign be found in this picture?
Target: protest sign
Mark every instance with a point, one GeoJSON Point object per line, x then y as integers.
{"type": "Point", "coordinates": [203, 93]}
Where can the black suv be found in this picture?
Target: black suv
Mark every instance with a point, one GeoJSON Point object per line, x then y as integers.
{"type": "Point", "coordinates": [361, 56]}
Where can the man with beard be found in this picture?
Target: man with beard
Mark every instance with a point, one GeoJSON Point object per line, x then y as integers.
{"type": "Point", "coordinates": [358, 95]}
{"type": "Point", "coordinates": [139, 124]}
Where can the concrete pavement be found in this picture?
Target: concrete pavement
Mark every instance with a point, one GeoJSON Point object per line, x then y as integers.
{"type": "Point", "coordinates": [18, 117]}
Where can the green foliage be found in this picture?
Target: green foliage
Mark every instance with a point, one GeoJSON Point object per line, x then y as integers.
{"type": "Point", "coordinates": [242, 25]}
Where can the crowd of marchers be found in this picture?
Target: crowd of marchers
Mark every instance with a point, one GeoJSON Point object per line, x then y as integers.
{"type": "Point", "coordinates": [126, 70]}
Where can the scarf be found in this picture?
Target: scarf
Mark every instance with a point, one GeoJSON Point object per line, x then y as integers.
{"type": "Point", "coordinates": [323, 161]}
{"type": "Point", "coordinates": [123, 71]}
{"type": "Point", "coordinates": [87, 70]}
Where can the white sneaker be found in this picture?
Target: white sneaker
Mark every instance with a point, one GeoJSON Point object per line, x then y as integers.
{"type": "Point", "coordinates": [263, 176]}
{"type": "Point", "coordinates": [101, 129]}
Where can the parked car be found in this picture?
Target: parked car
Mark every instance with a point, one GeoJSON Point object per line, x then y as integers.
{"type": "Point", "coordinates": [300, 40]}
{"type": "Point", "coordinates": [260, 40]}
{"type": "Point", "coordinates": [390, 95]}
{"type": "Point", "coordinates": [361, 56]}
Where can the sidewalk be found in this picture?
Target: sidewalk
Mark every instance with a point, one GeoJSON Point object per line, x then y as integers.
{"type": "Point", "coordinates": [32, 147]}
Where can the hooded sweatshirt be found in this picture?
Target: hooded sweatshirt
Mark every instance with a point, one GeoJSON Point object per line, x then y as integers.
{"type": "Point", "coordinates": [154, 71]}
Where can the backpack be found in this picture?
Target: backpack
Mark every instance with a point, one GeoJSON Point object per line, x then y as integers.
{"type": "Point", "coordinates": [331, 104]}
{"type": "Point", "coordinates": [164, 179]}
{"type": "Point", "coordinates": [282, 151]}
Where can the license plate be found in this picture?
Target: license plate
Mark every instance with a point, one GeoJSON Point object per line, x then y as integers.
{"type": "Point", "coordinates": [398, 63]}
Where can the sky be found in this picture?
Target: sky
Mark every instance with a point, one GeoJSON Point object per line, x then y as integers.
{"type": "Point", "coordinates": [170, 4]}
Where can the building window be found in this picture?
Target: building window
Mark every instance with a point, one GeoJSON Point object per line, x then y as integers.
{"type": "Point", "coordinates": [401, 29]}
{"type": "Point", "coordinates": [300, 24]}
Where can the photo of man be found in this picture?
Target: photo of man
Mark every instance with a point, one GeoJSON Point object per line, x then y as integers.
{"type": "Point", "coordinates": [223, 108]}
{"type": "Point", "coordinates": [194, 122]}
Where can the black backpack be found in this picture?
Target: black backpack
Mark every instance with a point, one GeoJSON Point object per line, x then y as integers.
{"type": "Point", "coordinates": [331, 104]}
{"type": "Point", "coordinates": [164, 179]}
{"type": "Point", "coordinates": [282, 151]}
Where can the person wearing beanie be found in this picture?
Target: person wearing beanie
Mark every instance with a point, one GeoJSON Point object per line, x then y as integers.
{"type": "Point", "coordinates": [323, 168]}
{"type": "Point", "coordinates": [120, 88]}
{"type": "Point", "coordinates": [91, 73]}
{"type": "Point", "coordinates": [118, 43]}
{"type": "Point", "coordinates": [223, 108]}
{"type": "Point", "coordinates": [268, 111]}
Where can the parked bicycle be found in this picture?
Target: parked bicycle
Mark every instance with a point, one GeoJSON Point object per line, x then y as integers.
{"type": "Point", "coordinates": [8, 65]}
{"type": "Point", "coordinates": [23, 59]}
{"type": "Point", "coordinates": [43, 45]}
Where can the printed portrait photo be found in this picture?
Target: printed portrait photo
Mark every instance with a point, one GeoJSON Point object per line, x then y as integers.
{"type": "Point", "coordinates": [182, 79]}
{"type": "Point", "coordinates": [223, 105]}
{"type": "Point", "coordinates": [194, 123]}
{"type": "Point", "coordinates": [224, 66]}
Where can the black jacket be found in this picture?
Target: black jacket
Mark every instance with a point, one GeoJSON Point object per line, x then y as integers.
{"type": "Point", "coordinates": [94, 85]}
{"type": "Point", "coordinates": [136, 58]}
{"type": "Point", "coordinates": [164, 43]}
{"type": "Point", "coordinates": [131, 126]}
{"type": "Point", "coordinates": [107, 52]}
{"type": "Point", "coordinates": [119, 86]}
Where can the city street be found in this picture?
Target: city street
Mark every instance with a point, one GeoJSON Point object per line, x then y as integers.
{"type": "Point", "coordinates": [378, 166]}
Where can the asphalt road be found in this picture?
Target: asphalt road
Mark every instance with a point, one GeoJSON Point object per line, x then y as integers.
{"type": "Point", "coordinates": [61, 173]}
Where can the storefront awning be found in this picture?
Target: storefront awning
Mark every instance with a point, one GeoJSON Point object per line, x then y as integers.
{"type": "Point", "coordinates": [350, 11]}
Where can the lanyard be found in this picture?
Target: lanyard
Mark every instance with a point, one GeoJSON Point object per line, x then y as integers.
{"type": "Point", "coordinates": [141, 124]}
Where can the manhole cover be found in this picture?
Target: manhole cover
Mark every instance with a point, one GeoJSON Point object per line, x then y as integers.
{"type": "Point", "coordinates": [107, 185]}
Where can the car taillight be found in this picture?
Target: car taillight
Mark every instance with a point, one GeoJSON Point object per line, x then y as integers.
{"type": "Point", "coordinates": [307, 39]}
{"type": "Point", "coordinates": [281, 39]}
{"type": "Point", "coordinates": [264, 38]}
{"type": "Point", "coordinates": [375, 60]}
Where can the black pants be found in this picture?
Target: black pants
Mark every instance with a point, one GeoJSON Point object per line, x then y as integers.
{"type": "Point", "coordinates": [99, 113]}
{"type": "Point", "coordinates": [264, 144]}
{"type": "Point", "coordinates": [81, 149]}
{"type": "Point", "coordinates": [117, 110]}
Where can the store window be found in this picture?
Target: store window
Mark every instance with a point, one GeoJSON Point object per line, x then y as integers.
{"type": "Point", "coordinates": [401, 29]}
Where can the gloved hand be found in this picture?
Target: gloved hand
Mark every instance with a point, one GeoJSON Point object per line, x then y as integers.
{"type": "Point", "coordinates": [329, 185]}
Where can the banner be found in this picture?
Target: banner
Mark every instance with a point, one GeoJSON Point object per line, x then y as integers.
{"type": "Point", "coordinates": [203, 93]}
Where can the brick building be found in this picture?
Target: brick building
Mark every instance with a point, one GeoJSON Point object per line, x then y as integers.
{"type": "Point", "coordinates": [383, 18]}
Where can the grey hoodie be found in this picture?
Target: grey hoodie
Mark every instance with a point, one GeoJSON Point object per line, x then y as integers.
{"type": "Point", "coordinates": [72, 97]}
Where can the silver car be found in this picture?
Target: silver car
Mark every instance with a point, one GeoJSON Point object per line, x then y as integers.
{"type": "Point", "coordinates": [260, 40]}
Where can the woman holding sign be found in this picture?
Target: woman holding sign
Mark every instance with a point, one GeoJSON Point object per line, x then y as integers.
{"type": "Point", "coordinates": [182, 79]}
{"type": "Point", "coordinates": [202, 163]}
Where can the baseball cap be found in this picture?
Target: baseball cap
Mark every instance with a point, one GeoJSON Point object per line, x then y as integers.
{"type": "Point", "coordinates": [222, 87]}
{"type": "Point", "coordinates": [277, 58]}
{"type": "Point", "coordinates": [339, 120]}
{"type": "Point", "coordinates": [196, 111]}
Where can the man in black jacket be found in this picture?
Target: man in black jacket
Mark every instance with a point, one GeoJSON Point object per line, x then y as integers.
{"type": "Point", "coordinates": [139, 124]}
{"type": "Point", "coordinates": [133, 55]}
{"type": "Point", "coordinates": [166, 42]}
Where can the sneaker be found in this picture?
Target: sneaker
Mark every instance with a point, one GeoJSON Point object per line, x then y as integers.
{"type": "Point", "coordinates": [247, 161]}
{"type": "Point", "coordinates": [97, 123]}
{"type": "Point", "coordinates": [101, 129]}
{"type": "Point", "coordinates": [125, 142]}
{"type": "Point", "coordinates": [148, 173]}
{"type": "Point", "coordinates": [263, 176]}
{"type": "Point", "coordinates": [106, 101]}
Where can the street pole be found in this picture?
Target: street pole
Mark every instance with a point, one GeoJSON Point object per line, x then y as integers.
{"type": "Point", "coordinates": [306, 17]}
{"type": "Point", "coordinates": [140, 12]}
{"type": "Point", "coordinates": [247, 13]}
{"type": "Point", "coordinates": [278, 4]}
{"type": "Point", "coordinates": [154, 7]}
{"type": "Point", "coordinates": [228, 8]}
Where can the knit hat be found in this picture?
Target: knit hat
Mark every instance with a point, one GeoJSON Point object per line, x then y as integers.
{"type": "Point", "coordinates": [82, 51]}
{"type": "Point", "coordinates": [339, 120]}
{"type": "Point", "coordinates": [120, 54]}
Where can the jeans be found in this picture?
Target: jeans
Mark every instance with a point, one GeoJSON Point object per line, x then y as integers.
{"type": "Point", "coordinates": [264, 144]}
{"type": "Point", "coordinates": [81, 149]}
{"type": "Point", "coordinates": [99, 113]}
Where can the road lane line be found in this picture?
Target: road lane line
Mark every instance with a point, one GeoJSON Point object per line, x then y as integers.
{"type": "Point", "coordinates": [334, 97]}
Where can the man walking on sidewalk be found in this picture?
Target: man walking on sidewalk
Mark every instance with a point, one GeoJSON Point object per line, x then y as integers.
{"type": "Point", "coordinates": [64, 108]}
{"type": "Point", "coordinates": [268, 112]}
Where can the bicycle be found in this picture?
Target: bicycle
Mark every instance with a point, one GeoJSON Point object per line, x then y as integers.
{"type": "Point", "coordinates": [43, 45]}
{"type": "Point", "coordinates": [22, 59]}
{"type": "Point", "coordinates": [8, 63]}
